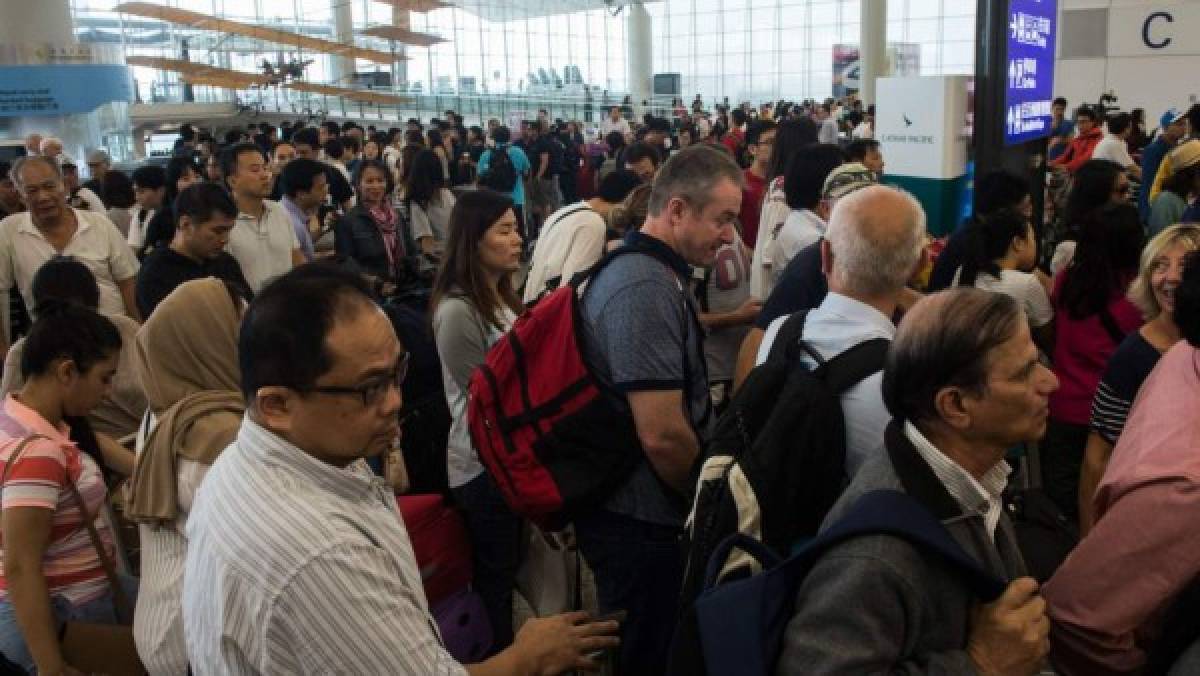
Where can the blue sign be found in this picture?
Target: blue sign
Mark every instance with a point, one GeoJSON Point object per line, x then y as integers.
{"type": "Point", "coordinates": [1032, 26]}
{"type": "Point", "coordinates": [61, 89]}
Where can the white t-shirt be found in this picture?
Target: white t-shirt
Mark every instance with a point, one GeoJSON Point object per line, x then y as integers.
{"type": "Point", "coordinates": [139, 220]}
{"type": "Point", "coordinates": [1023, 287]}
{"type": "Point", "coordinates": [802, 228]}
{"type": "Point", "coordinates": [726, 289]}
{"type": "Point", "coordinates": [608, 126]}
{"type": "Point", "coordinates": [263, 246]}
{"type": "Point", "coordinates": [97, 244]}
{"type": "Point", "coordinates": [771, 218]}
{"type": "Point", "coordinates": [827, 132]}
{"type": "Point", "coordinates": [434, 220]}
{"type": "Point", "coordinates": [863, 130]}
{"type": "Point", "coordinates": [571, 241]}
{"type": "Point", "coordinates": [1113, 149]}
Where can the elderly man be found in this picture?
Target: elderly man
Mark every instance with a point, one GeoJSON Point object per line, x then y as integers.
{"type": "Point", "coordinates": [53, 148]}
{"type": "Point", "coordinates": [964, 384]}
{"type": "Point", "coordinates": [99, 163]}
{"type": "Point", "coordinates": [631, 542]}
{"type": "Point", "coordinates": [323, 579]}
{"type": "Point", "coordinates": [873, 245]}
{"type": "Point", "coordinates": [51, 228]}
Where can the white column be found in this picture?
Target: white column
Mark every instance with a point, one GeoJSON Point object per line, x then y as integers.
{"type": "Point", "coordinates": [872, 47]}
{"type": "Point", "coordinates": [639, 57]}
{"type": "Point", "coordinates": [34, 22]}
{"type": "Point", "coordinates": [343, 32]}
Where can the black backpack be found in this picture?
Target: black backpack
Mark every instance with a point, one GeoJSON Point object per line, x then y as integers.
{"type": "Point", "coordinates": [774, 467]}
{"type": "Point", "coordinates": [501, 174]}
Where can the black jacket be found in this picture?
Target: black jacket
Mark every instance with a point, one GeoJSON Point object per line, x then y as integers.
{"type": "Point", "coordinates": [356, 238]}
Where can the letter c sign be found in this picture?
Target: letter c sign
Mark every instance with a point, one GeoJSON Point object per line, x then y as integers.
{"type": "Point", "coordinates": [1150, 42]}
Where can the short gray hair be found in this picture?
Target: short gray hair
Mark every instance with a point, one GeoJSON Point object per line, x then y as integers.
{"type": "Point", "coordinates": [691, 174]}
{"type": "Point", "coordinates": [25, 160]}
{"type": "Point", "coordinates": [876, 247]}
{"type": "Point", "coordinates": [945, 340]}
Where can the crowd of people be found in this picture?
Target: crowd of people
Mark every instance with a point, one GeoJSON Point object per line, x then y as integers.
{"type": "Point", "coordinates": [218, 347]}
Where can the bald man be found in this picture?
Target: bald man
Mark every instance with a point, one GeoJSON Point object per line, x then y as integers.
{"type": "Point", "coordinates": [874, 243]}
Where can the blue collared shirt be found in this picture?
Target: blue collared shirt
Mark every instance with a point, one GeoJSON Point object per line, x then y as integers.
{"type": "Point", "coordinates": [836, 325]}
{"type": "Point", "coordinates": [300, 224]}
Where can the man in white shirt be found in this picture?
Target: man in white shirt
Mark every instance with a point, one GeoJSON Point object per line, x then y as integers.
{"type": "Point", "coordinates": [614, 122]}
{"type": "Point", "coordinates": [873, 245]}
{"type": "Point", "coordinates": [51, 228]}
{"type": "Point", "coordinates": [827, 129]}
{"type": "Point", "coordinates": [263, 239]}
{"type": "Point", "coordinates": [572, 239]}
{"type": "Point", "coordinates": [298, 561]}
{"type": "Point", "coordinates": [1114, 146]}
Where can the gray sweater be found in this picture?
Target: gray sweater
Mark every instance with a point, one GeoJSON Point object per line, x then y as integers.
{"type": "Point", "coordinates": [876, 604]}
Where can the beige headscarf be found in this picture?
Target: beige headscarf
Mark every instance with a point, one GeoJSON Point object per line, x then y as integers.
{"type": "Point", "coordinates": [187, 361]}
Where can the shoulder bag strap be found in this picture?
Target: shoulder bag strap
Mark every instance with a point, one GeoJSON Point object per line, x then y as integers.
{"type": "Point", "coordinates": [121, 603]}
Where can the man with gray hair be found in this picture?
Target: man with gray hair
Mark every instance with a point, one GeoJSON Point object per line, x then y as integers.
{"type": "Point", "coordinates": [964, 384]}
{"type": "Point", "coordinates": [644, 339]}
{"type": "Point", "coordinates": [874, 243]}
{"type": "Point", "coordinates": [49, 228]}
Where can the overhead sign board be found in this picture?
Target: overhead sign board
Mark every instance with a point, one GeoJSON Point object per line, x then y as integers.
{"type": "Point", "coordinates": [1029, 89]}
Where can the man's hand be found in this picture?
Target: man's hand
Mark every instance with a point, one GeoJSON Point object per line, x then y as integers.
{"type": "Point", "coordinates": [1009, 635]}
{"type": "Point", "coordinates": [748, 312]}
{"type": "Point", "coordinates": [553, 645]}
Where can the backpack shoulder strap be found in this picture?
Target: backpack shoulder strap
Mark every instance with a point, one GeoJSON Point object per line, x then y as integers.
{"type": "Point", "coordinates": [880, 512]}
{"type": "Point", "coordinates": [850, 367]}
{"type": "Point", "coordinates": [582, 206]}
{"type": "Point", "coordinates": [788, 334]}
{"type": "Point", "coordinates": [889, 512]}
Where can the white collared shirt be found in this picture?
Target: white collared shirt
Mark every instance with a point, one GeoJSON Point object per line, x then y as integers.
{"type": "Point", "coordinates": [295, 566]}
{"type": "Point", "coordinates": [139, 221]}
{"type": "Point", "coordinates": [976, 496]}
{"type": "Point", "coordinates": [97, 243]}
{"type": "Point", "coordinates": [263, 246]}
{"type": "Point", "coordinates": [836, 325]}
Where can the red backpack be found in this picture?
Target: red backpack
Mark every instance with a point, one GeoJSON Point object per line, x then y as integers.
{"type": "Point", "coordinates": [549, 432]}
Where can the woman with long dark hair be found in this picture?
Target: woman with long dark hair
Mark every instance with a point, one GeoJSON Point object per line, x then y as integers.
{"type": "Point", "coordinates": [181, 172]}
{"type": "Point", "coordinates": [1095, 184]}
{"type": "Point", "coordinates": [372, 234]}
{"type": "Point", "coordinates": [1093, 317]}
{"type": "Point", "coordinates": [790, 137]}
{"type": "Point", "coordinates": [474, 303]}
{"type": "Point", "coordinates": [429, 202]}
{"type": "Point", "coordinates": [438, 145]}
{"type": "Point", "coordinates": [55, 548]}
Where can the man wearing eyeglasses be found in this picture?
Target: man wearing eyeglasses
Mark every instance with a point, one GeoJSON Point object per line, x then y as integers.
{"type": "Point", "coordinates": [760, 139]}
{"type": "Point", "coordinates": [52, 228]}
{"type": "Point", "coordinates": [298, 561]}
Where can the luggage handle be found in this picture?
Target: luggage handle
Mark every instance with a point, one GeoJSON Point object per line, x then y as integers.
{"type": "Point", "coordinates": [764, 555]}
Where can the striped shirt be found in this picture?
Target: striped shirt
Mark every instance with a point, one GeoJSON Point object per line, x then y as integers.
{"type": "Point", "coordinates": [975, 496]}
{"type": "Point", "coordinates": [295, 566]}
{"type": "Point", "coordinates": [39, 479]}
{"type": "Point", "coordinates": [1128, 368]}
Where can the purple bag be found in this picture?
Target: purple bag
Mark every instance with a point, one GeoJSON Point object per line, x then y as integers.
{"type": "Point", "coordinates": [463, 621]}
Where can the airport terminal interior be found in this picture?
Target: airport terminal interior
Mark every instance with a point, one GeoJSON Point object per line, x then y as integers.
{"type": "Point", "coordinates": [632, 337]}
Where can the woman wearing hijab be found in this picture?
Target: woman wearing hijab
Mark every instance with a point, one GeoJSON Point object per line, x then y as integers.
{"type": "Point", "coordinates": [188, 362]}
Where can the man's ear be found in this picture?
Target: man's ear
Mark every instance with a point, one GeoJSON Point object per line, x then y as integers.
{"type": "Point", "coordinates": [275, 408]}
{"type": "Point", "coordinates": [953, 406]}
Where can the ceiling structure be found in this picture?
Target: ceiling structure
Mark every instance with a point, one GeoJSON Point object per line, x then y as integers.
{"type": "Point", "coordinates": [511, 10]}
{"type": "Point", "coordinates": [402, 36]}
{"type": "Point", "coordinates": [208, 22]}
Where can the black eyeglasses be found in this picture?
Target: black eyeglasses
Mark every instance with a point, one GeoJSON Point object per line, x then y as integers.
{"type": "Point", "coordinates": [375, 389]}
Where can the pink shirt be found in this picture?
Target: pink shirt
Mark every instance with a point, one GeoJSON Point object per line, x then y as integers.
{"type": "Point", "coordinates": [39, 479]}
{"type": "Point", "coordinates": [1106, 600]}
{"type": "Point", "coordinates": [1082, 348]}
